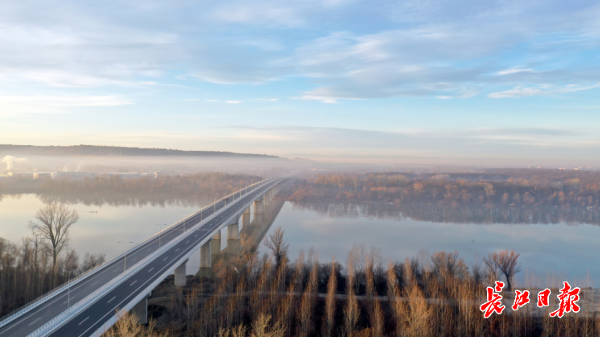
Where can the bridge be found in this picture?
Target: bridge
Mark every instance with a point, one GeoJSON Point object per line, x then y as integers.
{"type": "Point", "coordinates": [87, 306]}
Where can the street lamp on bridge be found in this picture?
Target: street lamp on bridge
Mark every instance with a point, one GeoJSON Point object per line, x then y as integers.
{"type": "Point", "coordinates": [125, 261]}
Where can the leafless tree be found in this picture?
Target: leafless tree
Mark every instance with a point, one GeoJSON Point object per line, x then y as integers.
{"type": "Point", "coordinates": [91, 261]}
{"type": "Point", "coordinates": [53, 225]}
{"type": "Point", "coordinates": [506, 262]}
{"type": "Point", "coordinates": [278, 245]}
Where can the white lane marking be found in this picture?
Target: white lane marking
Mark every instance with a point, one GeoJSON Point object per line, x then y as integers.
{"type": "Point", "coordinates": [151, 269]}
{"type": "Point", "coordinates": [133, 283]}
{"type": "Point", "coordinates": [177, 249]}
{"type": "Point", "coordinates": [165, 258]}
{"type": "Point", "coordinates": [111, 299]}
{"type": "Point", "coordinates": [187, 241]}
{"type": "Point", "coordinates": [95, 283]}
{"type": "Point", "coordinates": [83, 320]}
{"type": "Point", "coordinates": [34, 321]}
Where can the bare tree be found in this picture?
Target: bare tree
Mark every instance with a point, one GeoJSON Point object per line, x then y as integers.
{"type": "Point", "coordinates": [91, 261]}
{"type": "Point", "coordinates": [278, 245]}
{"type": "Point", "coordinates": [506, 262]}
{"type": "Point", "coordinates": [53, 225]}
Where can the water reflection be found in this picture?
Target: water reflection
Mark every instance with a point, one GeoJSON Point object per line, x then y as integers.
{"type": "Point", "coordinates": [460, 214]}
{"type": "Point", "coordinates": [551, 250]}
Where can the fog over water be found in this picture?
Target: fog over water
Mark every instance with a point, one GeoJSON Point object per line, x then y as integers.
{"type": "Point", "coordinates": [554, 245]}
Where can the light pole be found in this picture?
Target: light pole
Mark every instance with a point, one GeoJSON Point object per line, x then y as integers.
{"type": "Point", "coordinates": [69, 291]}
{"type": "Point", "coordinates": [159, 232]}
{"type": "Point", "coordinates": [125, 261]}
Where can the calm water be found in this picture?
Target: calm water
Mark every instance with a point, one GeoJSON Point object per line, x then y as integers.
{"type": "Point", "coordinates": [548, 251]}
{"type": "Point", "coordinates": [555, 251]}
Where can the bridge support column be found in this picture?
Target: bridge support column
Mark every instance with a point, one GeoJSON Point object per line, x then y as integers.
{"type": "Point", "coordinates": [246, 217]}
{"type": "Point", "coordinates": [180, 274]}
{"type": "Point", "coordinates": [141, 311]}
{"type": "Point", "coordinates": [205, 260]}
{"type": "Point", "coordinates": [233, 239]}
{"type": "Point", "coordinates": [215, 248]}
{"type": "Point", "coordinates": [258, 211]}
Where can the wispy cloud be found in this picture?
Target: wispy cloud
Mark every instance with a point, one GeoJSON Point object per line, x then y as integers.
{"type": "Point", "coordinates": [233, 102]}
{"type": "Point", "coordinates": [523, 92]}
{"type": "Point", "coordinates": [14, 105]}
{"type": "Point", "coordinates": [514, 71]}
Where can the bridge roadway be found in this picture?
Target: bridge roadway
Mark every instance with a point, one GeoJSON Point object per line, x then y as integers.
{"type": "Point", "coordinates": [87, 322]}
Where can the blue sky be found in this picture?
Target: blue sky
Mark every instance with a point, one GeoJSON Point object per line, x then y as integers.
{"type": "Point", "coordinates": [463, 82]}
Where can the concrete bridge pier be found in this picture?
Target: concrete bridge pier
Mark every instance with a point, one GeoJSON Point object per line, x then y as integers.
{"type": "Point", "coordinates": [233, 239]}
{"type": "Point", "coordinates": [246, 217]}
{"type": "Point", "coordinates": [140, 310]}
{"type": "Point", "coordinates": [180, 274]}
{"type": "Point", "coordinates": [215, 248]}
{"type": "Point", "coordinates": [205, 260]}
{"type": "Point", "coordinates": [258, 211]}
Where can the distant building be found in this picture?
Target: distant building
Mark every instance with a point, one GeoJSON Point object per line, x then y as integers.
{"type": "Point", "coordinates": [26, 175]}
{"type": "Point", "coordinates": [72, 175]}
{"type": "Point", "coordinates": [125, 175]}
{"type": "Point", "coordinates": [42, 175]}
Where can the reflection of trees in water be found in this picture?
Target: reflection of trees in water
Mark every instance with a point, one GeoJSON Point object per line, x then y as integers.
{"type": "Point", "coordinates": [125, 200]}
{"type": "Point", "coordinates": [469, 214]}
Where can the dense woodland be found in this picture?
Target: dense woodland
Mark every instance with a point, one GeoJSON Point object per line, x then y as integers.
{"type": "Point", "coordinates": [558, 188]}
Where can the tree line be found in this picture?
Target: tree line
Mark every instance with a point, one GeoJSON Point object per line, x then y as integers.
{"type": "Point", "coordinates": [554, 190]}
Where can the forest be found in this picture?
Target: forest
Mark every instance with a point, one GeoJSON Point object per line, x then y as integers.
{"type": "Point", "coordinates": [513, 188]}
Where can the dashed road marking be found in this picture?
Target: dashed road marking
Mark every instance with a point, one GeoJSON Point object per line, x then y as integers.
{"type": "Point", "coordinates": [151, 269]}
{"type": "Point", "coordinates": [111, 299]}
{"type": "Point", "coordinates": [83, 320]}
{"type": "Point", "coordinates": [133, 283]}
{"type": "Point", "coordinates": [34, 321]}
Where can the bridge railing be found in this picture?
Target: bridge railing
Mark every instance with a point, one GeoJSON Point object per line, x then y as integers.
{"type": "Point", "coordinates": [116, 281]}
{"type": "Point", "coordinates": [27, 307]}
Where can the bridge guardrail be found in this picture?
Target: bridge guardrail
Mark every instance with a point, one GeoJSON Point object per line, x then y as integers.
{"type": "Point", "coordinates": [51, 325]}
{"type": "Point", "coordinates": [41, 299]}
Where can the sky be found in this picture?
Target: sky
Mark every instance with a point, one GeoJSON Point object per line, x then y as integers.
{"type": "Point", "coordinates": [454, 82]}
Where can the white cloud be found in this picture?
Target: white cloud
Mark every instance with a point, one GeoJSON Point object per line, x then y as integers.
{"type": "Point", "coordinates": [321, 98]}
{"type": "Point", "coordinates": [212, 100]}
{"type": "Point", "coordinates": [533, 91]}
{"type": "Point", "coordinates": [233, 102]}
{"type": "Point", "coordinates": [514, 71]}
{"type": "Point", "coordinates": [191, 99]}
{"type": "Point", "coordinates": [12, 105]}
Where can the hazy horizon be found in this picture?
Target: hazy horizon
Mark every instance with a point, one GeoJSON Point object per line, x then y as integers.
{"type": "Point", "coordinates": [433, 83]}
